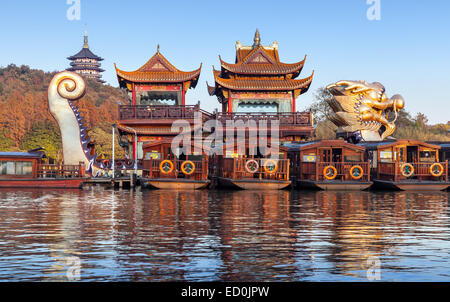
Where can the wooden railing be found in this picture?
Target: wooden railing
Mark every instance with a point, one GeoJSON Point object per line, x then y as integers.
{"type": "Point", "coordinates": [152, 112]}
{"type": "Point", "coordinates": [60, 171]}
{"type": "Point", "coordinates": [289, 118]}
{"type": "Point", "coordinates": [315, 171]}
{"type": "Point", "coordinates": [152, 170]}
{"type": "Point", "coordinates": [120, 164]}
{"type": "Point", "coordinates": [393, 171]}
{"type": "Point", "coordinates": [235, 168]}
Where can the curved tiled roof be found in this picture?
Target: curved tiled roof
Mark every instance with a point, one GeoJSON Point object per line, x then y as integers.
{"type": "Point", "coordinates": [276, 68]}
{"type": "Point", "coordinates": [82, 67]}
{"type": "Point", "coordinates": [261, 61]}
{"type": "Point", "coordinates": [159, 70]}
{"type": "Point", "coordinates": [85, 53]}
{"type": "Point", "coordinates": [160, 77]}
{"type": "Point", "coordinates": [264, 84]}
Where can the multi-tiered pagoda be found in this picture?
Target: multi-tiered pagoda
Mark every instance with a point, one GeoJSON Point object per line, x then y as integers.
{"type": "Point", "coordinates": [157, 94]}
{"type": "Point", "coordinates": [86, 63]}
{"type": "Point", "coordinates": [259, 86]}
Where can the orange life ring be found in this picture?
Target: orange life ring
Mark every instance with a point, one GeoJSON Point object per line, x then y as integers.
{"type": "Point", "coordinates": [269, 163]}
{"type": "Point", "coordinates": [166, 167]}
{"type": "Point", "coordinates": [188, 167]}
{"type": "Point", "coordinates": [359, 175]}
{"type": "Point", "coordinates": [434, 172]}
{"type": "Point", "coordinates": [248, 166]}
{"type": "Point", "coordinates": [407, 170]}
{"type": "Point", "coordinates": [326, 173]}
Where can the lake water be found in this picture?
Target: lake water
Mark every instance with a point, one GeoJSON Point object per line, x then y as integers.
{"type": "Point", "coordinates": [223, 236]}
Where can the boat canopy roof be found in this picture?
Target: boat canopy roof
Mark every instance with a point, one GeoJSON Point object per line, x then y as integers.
{"type": "Point", "coordinates": [22, 155]}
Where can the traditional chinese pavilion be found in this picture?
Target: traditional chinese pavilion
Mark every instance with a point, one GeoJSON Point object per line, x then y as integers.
{"type": "Point", "coordinates": [86, 63]}
{"type": "Point", "coordinates": [157, 95]}
{"type": "Point", "coordinates": [259, 86]}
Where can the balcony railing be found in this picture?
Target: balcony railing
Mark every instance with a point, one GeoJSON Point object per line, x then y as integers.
{"type": "Point", "coordinates": [289, 118]}
{"type": "Point", "coordinates": [315, 171]}
{"type": "Point", "coordinates": [61, 171]}
{"type": "Point", "coordinates": [393, 171]}
{"type": "Point", "coordinates": [152, 170]}
{"type": "Point", "coordinates": [249, 168]}
{"type": "Point", "coordinates": [151, 112]}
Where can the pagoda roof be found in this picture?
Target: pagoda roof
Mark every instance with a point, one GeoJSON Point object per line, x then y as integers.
{"type": "Point", "coordinates": [274, 68]}
{"type": "Point", "coordinates": [243, 51]}
{"type": "Point", "coordinates": [261, 61]}
{"type": "Point", "coordinates": [261, 84]}
{"type": "Point", "coordinates": [159, 70]}
{"type": "Point", "coordinates": [84, 67]}
{"type": "Point", "coordinates": [85, 53]}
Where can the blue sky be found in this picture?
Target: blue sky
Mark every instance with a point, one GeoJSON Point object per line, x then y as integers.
{"type": "Point", "coordinates": [408, 50]}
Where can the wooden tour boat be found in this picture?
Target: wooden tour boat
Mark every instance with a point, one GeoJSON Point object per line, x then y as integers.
{"type": "Point", "coordinates": [407, 165]}
{"type": "Point", "coordinates": [242, 171]}
{"type": "Point", "coordinates": [29, 170]}
{"type": "Point", "coordinates": [329, 165]}
{"type": "Point", "coordinates": [164, 168]}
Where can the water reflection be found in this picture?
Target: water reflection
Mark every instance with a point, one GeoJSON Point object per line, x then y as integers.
{"type": "Point", "coordinates": [219, 235]}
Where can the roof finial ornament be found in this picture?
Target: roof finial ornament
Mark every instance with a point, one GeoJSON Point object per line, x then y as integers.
{"type": "Point", "coordinates": [157, 49]}
{"type": "Point", "coordinates": [86, 45]}
{"type": "Point", "coordinates": [257, 39]}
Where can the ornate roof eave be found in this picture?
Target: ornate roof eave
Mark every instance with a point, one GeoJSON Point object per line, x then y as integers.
{"type": "Point", "coordinates": [85, 53]}
{"type": "Point", "coordinates": [298, 86]}
{"type": "Point", "coordinates": [217, 91]}
{"type": "Point", "coordinates": [305, 89]}
{"type": "Point", "coordinates": [211, 89]}
{"type": "Point", "coordinates": [275, 69]}
{"type": "Point", "coordinates": [171, 77]}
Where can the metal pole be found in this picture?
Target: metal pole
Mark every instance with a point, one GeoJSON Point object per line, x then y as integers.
{"type": "Point", "coordinates": [135, 152]}
{"type": "Point", "coordinates": [113, 152]}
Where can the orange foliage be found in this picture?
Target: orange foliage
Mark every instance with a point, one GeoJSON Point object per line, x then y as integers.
{"type": "Point", "coordinates": [23, 102]}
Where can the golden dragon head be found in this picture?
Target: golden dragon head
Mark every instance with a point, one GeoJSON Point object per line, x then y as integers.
{"type": "Point", "coordinates": [360, 106]}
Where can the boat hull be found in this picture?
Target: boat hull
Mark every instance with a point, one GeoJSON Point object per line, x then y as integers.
{"type": "Point", "coordinates": [411, 186]}
{"type": "Point", "coordinates": [254, 184]}
{"type": "Point", "coordinates": [67, 183]}
{"type": "Point", "coordinates": [175, 184]}
{"type": "Point", "coordinates": [334, 185]}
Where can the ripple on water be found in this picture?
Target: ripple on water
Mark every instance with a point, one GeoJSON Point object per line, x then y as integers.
{"type": "Point", "coordinates": [229, 236]}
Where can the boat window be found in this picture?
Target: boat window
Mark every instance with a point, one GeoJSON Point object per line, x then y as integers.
{"type": "Point", "coordinates": [373, 157]}
{"type": "Point", "coordinates": [326, 156]}
{"type": "Point", "coordinates": [386, 156]}
{"type": "Point", "coordinates": [255, 106]}
{"type": "Point", "coordinates": [2, 168]}
{"type": "Point", "coordinates": [309, 158]}
{"type": "Point", "coordinates": [401, 154]}
{"type": "Point", "coordinates": [337, 155]}
{"type": "Point", "coordinates": [16, 168]}
{"type": "Point", "coordinates": [160, 98]}
{"type": "Point", "coordinates": [152, 155]}
{"type": "Point", "coordinates": [352, 158]}
{"type": "Point", "coordinates": [427, 156]}
{"type": "Point", "coordinates": [24, 168]}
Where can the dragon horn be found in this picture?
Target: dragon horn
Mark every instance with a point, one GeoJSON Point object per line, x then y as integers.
{"type": "Point", "coordinates": [348, 84]}
{"type": "Point", "coordinates": [356, 87]}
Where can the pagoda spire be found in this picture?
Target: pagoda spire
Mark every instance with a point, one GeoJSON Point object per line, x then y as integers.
{"type": "Point", "coordinates": [257, 39]}
{"type": "Point", "coordinates": [86, 63]}
{"type": "Point", "coordinates": [86, 45]}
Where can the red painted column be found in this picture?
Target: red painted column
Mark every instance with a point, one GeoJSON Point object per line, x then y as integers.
{"type": "Point", "coordinates": [134, 149]}
{"type": "Point", "coordinates": [230, 103]}
{"type": "Point", "coordinates": [134, 95]}
{"type": "Point", "coordinates": [293, 101]}
{"type": "Point", "coordinates": [183, 96]}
